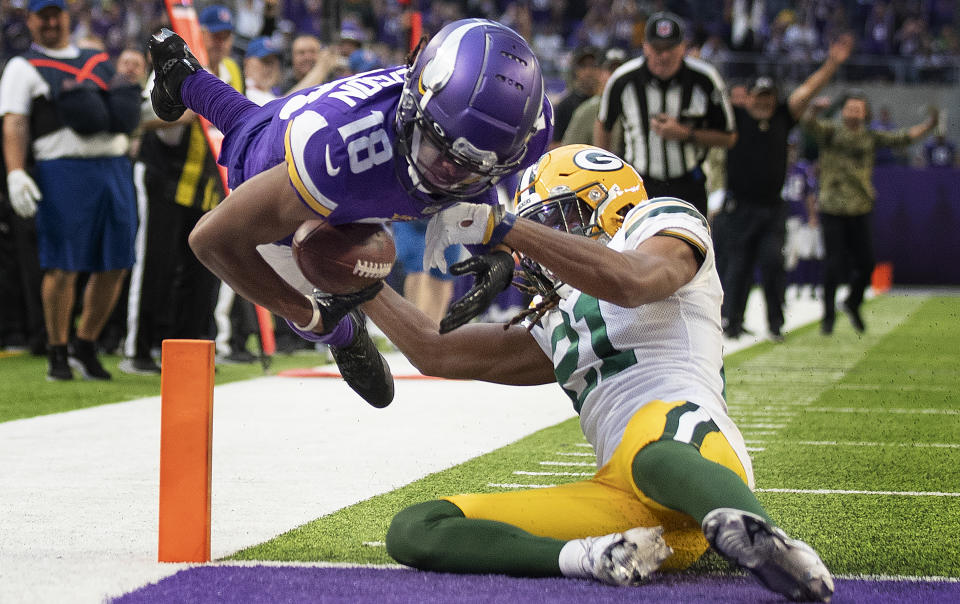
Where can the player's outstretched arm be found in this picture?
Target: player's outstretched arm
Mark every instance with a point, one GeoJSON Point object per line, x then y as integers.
{"type": "Point", "coordinates": [480, 351]}
{"type": "Point", "coordinates": [262, 210]}
{"type": "Point", "coordinates": [654, 271]}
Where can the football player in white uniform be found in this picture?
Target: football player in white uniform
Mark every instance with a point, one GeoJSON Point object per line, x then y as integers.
{"type": "Point", "coordinates": [628, 324]}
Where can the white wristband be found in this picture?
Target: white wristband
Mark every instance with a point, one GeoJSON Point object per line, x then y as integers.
{"type": "Point", "coordinates": [314, 320]}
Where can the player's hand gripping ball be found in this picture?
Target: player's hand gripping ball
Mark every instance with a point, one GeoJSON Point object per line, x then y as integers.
{"type": "Point", "coordinates": [344, 258]}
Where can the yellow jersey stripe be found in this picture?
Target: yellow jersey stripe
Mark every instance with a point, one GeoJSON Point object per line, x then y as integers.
{"type": "Point", "coordinates": [304, 188]}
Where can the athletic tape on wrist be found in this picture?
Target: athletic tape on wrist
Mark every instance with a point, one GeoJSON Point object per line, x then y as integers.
{"type": "Point", "coordinates": [503, 227]}
{"type": "Point", "coordinates": [314, 320]}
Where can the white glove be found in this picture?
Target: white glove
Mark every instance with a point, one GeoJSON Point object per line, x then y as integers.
{"type": "Point", "coordinates": [24, 193]}
{"type": "Point", "coordinates": [464, 223]}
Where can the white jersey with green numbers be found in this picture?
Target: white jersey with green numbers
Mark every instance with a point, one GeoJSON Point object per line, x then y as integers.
{"type": "Point", "coordinates": [612, 360]}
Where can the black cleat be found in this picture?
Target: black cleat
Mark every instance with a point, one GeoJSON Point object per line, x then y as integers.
{"type": "Point", "coordinates": [786, 566]}
{"type": "Point", "coordinates": [826, 325]}
{"type": "Point", "coordinates": [84, 359]}
{"type": "Point", "coordinates": [362, 366]}
{"type": "Point", "coordinates": [854, 315]}
{"type": "Point", "coordinates": [172, 63]}
{"type": "Point", "coordinates": [58, 369]}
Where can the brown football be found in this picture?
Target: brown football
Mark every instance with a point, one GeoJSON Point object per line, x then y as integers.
{"type": "Point", "coordinates": [344, 258]}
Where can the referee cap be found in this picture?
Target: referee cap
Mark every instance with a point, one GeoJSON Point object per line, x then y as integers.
{"type": "Point", "coordinates": [664, 29]}
{"type": "Point", "coordinates": [763, 84]}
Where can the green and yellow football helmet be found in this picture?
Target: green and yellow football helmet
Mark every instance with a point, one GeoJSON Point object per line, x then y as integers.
{"type": "Point", "coordinates": [581, 189]}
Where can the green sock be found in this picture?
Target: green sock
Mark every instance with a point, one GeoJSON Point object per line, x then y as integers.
{"type": "Point", "coordinates": [436, 536]}
{"type": "Point", "coordinates": [675, 475]}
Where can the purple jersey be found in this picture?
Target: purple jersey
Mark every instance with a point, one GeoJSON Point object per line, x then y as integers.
{"type": "Point", "coordinates": [339, 142]}
{"type": "Point", "coordinates": [800, 183]}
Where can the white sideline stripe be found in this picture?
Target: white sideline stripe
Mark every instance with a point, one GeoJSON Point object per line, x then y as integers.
{"type": "Point", "coordinates": [744, 409]}
{"type": "Point", "coordinates": [507, 485]}
{"type": "Point", "coordinates": [930, 388]}
{"type": "Point", "coordinates": [583, 445]}
{"type": "Point", "coordinates": [834, 443]}
{"type": "Point", "coordinates": [581, 464]}
{"type": "Point", "coordinates": [574, 454]}
{"type": "Point", "coordinates": [298, 563]}
{"type": "Point", "coordinates": [770, 426]}
{"type": "Point", "coordinates": [845, 492]}
{"type": "Point", "coordinates": [373, 543]}
{"type": "Point", "coordinates": [756, 449]}
{"type": "Point", "coordinates": [524, 473]}
{"type": "Point", "coordinates": [894, 411]}
{"type": "Point", "coordinates": [908, 578]}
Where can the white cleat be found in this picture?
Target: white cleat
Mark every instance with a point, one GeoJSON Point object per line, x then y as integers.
{"type": "Point", "coordinates": [786, 566]}
{"type": "Point", "coordinates": [631, 558]}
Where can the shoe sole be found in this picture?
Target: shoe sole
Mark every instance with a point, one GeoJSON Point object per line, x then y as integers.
{"type": "Point", "coordinates": [130, 370]}
{"type": "Point", "coordinates": [855, 321]}
{"type": "Point", "coordinates": [75, 364]}
{"type": "Point", "coordinates": [770, 556]}
{"type": "Point", "coordinates": [636, 557]}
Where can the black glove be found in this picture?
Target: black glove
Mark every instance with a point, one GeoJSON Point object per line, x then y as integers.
{"type": "Point", "coordinates": [334, 307]}
{"type": "Point", "coordinates": [492, 272]}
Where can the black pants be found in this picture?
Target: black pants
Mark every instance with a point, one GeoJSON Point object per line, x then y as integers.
{"type": "Point", "coordinates": [747, 236]}
{"type": "Point", "coordinates": [175, 295]}
{"type": "Point", "coordinates": [848, 245]}
{"type": "Point", "coordinates": [21, 309]}
{"type": "Point", "coordinates": [691, 189]}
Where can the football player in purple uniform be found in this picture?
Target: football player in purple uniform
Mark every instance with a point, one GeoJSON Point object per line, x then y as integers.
{"type": "Point", "coordinates": [390, 144]}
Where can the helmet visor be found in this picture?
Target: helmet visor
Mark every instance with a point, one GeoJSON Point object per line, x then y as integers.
{"type": "Point", "coordinates": [442, 168]}
{"type": "Point", "coordinates": [565, 212]}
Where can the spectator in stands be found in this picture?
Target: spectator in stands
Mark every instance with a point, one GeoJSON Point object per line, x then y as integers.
{"type": "Point", "coordinates": [884, 123]}
{"type": "Point", "coordinates": [311, 64]}
{"type": "Point", "coordinates": [846, 196]}
{"type": "Point", "coordinates": [261, 67]}
{"type": "Point", "coordinates": [352, 37]}
{"type": "Point", "coordinates": [132, 64]}
{"type": "Point", "coordinates": [750, 229]}
{"type": "Point", "coordinates": [75, 128]}
{"type": "Point", "coordinates": [171, 293]}
{"type": "Point", "coordinates": [938, 152]}
{"type": "Point", "coordinates": [879, 29]}
{"type": "Point", "coordinates": [672, 108]}
{"type": "Point", "coordinates": [584, 75]}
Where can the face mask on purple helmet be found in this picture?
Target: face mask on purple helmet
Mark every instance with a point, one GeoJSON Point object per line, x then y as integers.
{"type": "Point", "coordinates": [443, 155]}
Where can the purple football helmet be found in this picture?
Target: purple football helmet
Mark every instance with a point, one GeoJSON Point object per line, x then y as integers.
{"type": "Point", "coordinates": [471, 100]}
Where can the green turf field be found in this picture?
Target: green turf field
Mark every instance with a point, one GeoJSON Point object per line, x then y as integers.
{"type": "Point", "coordinates": [855, 442]}
{"type": "Point", "coordinates": [872, 420]}
{"type": "Point", "coordinates": [24, 391]}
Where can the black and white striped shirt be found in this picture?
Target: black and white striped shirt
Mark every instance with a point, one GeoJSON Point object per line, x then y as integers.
{"type": "Point", "coordinates": [695, 95]}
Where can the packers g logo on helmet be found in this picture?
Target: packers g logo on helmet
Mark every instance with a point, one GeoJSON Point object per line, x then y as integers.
{"type": "Point", "coordinates": [581, 189]}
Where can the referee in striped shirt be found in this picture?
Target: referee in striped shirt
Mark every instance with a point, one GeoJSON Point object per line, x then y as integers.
{"type": "Point", "coordinates": [673, 108]}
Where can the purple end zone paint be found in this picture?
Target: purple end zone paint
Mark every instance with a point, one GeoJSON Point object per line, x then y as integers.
{"type": "Point", "coordinates": [270, 584]}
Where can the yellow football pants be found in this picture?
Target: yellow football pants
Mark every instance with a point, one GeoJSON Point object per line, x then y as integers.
{"type": "Point", "coordinates": [609, 502]}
